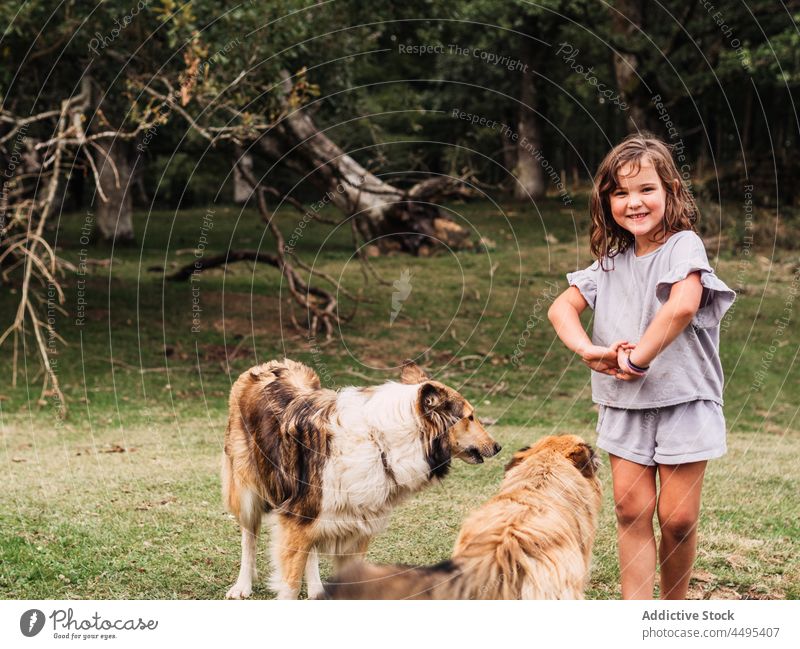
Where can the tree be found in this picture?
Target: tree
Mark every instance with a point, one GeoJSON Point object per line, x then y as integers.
{"type": "Point", "coordinates": [531, 183]}
{"type": "Point", "coordinates": [386, 216]}
{"type": "Point", "coordinates": [115, 208]}
{"type": "Point", "coordinates": [627, 24]}
{"type": "Point", "coordinates": [510, 50]}
{"type": "Point", "coordinates": [715, 81]}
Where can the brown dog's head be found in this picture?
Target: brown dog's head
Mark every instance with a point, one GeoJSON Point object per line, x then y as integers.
{"type": "Point", "coordinates": [572, 447]}
{"type": "Point", "coordinates": [450, 419]}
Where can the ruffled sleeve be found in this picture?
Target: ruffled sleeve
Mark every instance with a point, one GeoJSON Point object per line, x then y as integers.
{"type": "Point", "coordinates": [586, 282]}
{"type": "Point", "coordinates": [687, 257]}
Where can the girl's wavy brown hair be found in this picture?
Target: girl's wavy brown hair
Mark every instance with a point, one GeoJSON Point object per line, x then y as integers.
{"type": "Point", "coordinates": [680, 213]}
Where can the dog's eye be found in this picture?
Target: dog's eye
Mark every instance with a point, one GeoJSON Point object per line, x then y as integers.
{"type": "Point", "coordinates": [471, 418]}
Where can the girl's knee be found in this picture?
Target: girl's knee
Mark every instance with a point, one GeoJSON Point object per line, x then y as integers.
{"type": "Point", "coordinates": [679, 525]}
{"type": "Point", "coordinates": [632, 510]}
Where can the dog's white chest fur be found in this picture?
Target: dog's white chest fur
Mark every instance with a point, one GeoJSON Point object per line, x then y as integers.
{"type": "Point", "coordinates": [376, 458]}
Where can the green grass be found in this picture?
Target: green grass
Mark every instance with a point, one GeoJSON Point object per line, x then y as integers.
{"type": "Point", "coordinates": [78, 521]}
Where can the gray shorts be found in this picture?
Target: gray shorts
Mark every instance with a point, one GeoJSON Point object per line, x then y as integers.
{"type": "Point", "coordinates": [687, 432]}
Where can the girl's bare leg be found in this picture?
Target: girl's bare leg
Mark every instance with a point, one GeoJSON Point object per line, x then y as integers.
{"type": "Point", "coordinates": [678, 512]}
{"type": "Point", "coordinates": [635, 500]}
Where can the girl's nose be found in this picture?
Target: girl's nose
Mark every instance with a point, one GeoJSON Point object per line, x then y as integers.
{"type": "Point", "coordinates": [634, 200]}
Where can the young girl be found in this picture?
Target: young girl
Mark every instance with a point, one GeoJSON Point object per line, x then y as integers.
{"type": "Point", "coordinates": [655, 354]}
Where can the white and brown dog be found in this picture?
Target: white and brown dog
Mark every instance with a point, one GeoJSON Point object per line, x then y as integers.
{"type": "Point", "coordinates": [331, 465]}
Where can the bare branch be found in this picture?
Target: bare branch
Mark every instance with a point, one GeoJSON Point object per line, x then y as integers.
{"type": "Point", "coordinates": [320, 305]}
{"type": "Point", "coordinates": [96, 175]}
{"type": "Point", "coordinates": [199, 265]}
{"type": "Point", "coordinates": [33, 266]}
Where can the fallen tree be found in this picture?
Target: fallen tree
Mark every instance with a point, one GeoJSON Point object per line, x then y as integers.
{"type": "Point", "coordinates": [384, 216]}
{"type": "Point", "coordinates": [387, 216]}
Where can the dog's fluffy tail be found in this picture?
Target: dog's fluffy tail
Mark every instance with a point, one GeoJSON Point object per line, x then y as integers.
{"type": "Point", "coordinates": [369, 581]}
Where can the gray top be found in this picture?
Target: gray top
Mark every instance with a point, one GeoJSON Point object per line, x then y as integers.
{"type": "Point", "coordinates": [626, 298]}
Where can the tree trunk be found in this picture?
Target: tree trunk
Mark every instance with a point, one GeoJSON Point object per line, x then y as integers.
{"type": "Point", "coordinates": [530, 183]}
{"type": "Point", "coordinates": [114, 213]}
{"type": "Point", "coordinates": [242, 192]}
{"type": "Point", "coordinates": [386, 216]}
{"type": "Point", "coordinates": [627, 22]}
{"type": "Point", "coordinates": [747, 125]}
{"type": "Point", "coordinates": [509, 148]}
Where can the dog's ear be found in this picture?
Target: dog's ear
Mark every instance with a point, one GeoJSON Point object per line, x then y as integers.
{"type": "Point", "coordinates": [455, 408]}
{"type": "Point", "coordinates": [584, 459]}
{"type": "Point", "coordinates": [517, 458]}
{"type": "Point", "coordinates": [412, 373]}
{"type": "Point", "coordinates": [435, 397]}
{"type": "Point", "coordinates": [431, 397]}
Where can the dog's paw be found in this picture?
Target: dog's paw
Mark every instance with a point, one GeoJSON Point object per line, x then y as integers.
{"type": "Point", "coordinates": [315, 590]}
{"type": "Point", "coordinates": [239, 591]}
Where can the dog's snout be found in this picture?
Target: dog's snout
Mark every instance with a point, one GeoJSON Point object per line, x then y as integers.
{"type": "Point", "coordinates": [489, 450]}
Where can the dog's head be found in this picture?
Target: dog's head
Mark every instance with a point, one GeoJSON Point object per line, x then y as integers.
{"type": "Point", "coordinates": [572, 447]}
{"type": "Point", "coordinates": [450, 419]}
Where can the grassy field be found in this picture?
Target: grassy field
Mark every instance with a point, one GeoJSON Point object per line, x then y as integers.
{"type": "Point", "coordinates": [121, 500]}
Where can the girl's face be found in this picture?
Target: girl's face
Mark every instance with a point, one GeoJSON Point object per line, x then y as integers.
{"type": "Point", "coordinates": [638, 204]}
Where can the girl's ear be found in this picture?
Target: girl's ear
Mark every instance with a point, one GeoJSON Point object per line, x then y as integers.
{"type": "Point", "coordinates": [676, 186]}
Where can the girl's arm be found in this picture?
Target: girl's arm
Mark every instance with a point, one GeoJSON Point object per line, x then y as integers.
{"type": "Point", "coordinates": [565, 315]}
{"type": "Point", "coordinates": [672, 318]}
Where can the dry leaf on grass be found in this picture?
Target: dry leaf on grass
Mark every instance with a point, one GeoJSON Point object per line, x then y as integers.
{"type": "Point", "coordinates": [702, 576]}
{"type": "Point", "coordinates": [147, 506]}
{"type": "Point", "coordinates": [116, 448]}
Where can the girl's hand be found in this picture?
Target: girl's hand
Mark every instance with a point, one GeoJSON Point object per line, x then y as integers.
{"type": "Point", "coordinates": [602, 359]}
{"type": "Point", "coordinates": [623, 372]}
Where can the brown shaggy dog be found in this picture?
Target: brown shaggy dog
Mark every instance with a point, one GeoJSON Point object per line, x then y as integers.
{"type": "Point", "coordinates": [331, 465]}
{"type": "Point", "coordinates": [533, 540]}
